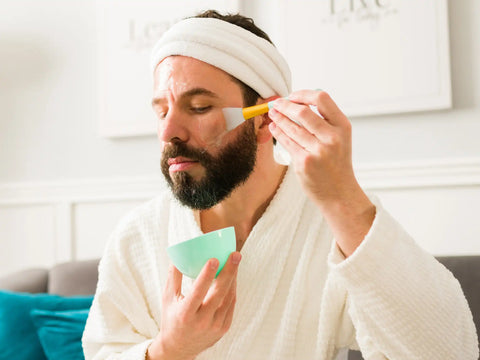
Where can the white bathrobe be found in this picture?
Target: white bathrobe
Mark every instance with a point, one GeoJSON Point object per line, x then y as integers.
{"type": "Point", "coordinates": [297, 297]}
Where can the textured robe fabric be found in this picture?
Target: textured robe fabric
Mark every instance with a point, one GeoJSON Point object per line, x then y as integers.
{"type": "Point", "coordinates": [297, 296]}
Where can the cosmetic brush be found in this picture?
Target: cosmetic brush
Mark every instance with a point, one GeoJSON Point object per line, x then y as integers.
{"type": "Point", "coordinates": [236, 116]}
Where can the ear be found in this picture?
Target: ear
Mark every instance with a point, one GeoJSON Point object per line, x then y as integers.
{"type": "Point", "coordinates": [262, 121]}
{"type": "Point", "coordinates": [263, 132]}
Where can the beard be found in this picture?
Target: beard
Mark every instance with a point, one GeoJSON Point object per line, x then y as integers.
{"type": "Point", "coordinates": [223, 173]}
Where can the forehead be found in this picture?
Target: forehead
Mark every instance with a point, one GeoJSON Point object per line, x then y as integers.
{"type": "Point", "coordinates": [177, 74]}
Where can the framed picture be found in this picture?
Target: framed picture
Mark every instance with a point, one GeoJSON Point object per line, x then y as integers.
{"type": "Point", "coordinates": [128, 29]}
{"type": "Point", "coordinates": [372, 56]}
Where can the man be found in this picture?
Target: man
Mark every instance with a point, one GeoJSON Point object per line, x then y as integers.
{"type": "Point", "coordinates": [319, 266]}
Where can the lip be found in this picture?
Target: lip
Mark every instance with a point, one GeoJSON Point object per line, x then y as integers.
{"type": "Point", "coordinates": [180, 164]}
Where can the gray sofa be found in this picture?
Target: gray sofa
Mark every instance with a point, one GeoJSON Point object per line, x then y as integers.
{"type": "Point", "coordinates": [66, 279]}
{"type": "Point", "coordinates": [80, 278]}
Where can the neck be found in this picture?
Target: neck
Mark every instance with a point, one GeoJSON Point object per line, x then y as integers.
{"type": "Point", "coordinates": [244, 207]}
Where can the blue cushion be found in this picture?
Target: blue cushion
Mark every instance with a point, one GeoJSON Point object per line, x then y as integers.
{"type": "Point", "coordinates": [18, 336]}
{"type": "Point", "coordinates": [60, 332]}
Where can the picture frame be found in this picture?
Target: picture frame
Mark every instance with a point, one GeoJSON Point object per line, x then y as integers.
{"type": "Point", "coordinates": [372, 56]}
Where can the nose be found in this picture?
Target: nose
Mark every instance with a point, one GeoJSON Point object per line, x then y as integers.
{"type": "Point", "coordinates": [173, 127]}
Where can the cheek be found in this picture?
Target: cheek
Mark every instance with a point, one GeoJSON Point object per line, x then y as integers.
{"type": "Point", "coordinates": [211, 129]}
{"type": "Point", "coordinates": [207, 131]}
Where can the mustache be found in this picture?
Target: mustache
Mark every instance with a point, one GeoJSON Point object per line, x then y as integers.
{"type": "Point", "coordinates": [182, 149]}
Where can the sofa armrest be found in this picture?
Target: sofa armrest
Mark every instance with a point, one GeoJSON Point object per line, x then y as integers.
{"type": "Point", "coordinates": [30, 280]}
{"type": "Point", "coordinates": [74, 278]}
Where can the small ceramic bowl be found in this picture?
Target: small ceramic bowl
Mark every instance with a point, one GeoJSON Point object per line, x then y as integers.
{"type": "Point", "coordinates": [191, 256]}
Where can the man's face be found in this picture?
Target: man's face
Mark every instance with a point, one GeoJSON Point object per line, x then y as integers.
{"type": "Point", "coordinates": [201, 161]}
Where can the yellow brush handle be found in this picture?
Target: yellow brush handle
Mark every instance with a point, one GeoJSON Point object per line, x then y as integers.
{"type": "Point", "coordinates": [255, 110]}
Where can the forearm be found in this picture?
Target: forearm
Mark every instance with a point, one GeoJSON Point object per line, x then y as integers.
{"type": "Point", "coordinates": [350, 219]}
{"type": "Point", "coordinates": [157, 351]}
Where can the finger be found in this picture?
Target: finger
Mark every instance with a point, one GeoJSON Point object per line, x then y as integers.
{"type": "Point", "coordinates": [291, 146]}
{"type": "Point", "coordinates": [302, 114]}
{"type": "Point", "coordinates": [229, 315]}
{"type": "Point", "coordinates": [173, 287]}
{"type": "Point", "coordinates": [324, 103]}
{"type": "Point", "coordinates": [201, 285]}
{"type": "Point", "coordinates": [282, 114]}
{"type": "Point", "coordinates": [223, 310]}
{"type": "Point", "coordinates": [222, 284]}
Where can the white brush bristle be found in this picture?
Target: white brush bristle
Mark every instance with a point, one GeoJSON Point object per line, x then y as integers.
{"type": "Point", "coordinates": [233, 117]}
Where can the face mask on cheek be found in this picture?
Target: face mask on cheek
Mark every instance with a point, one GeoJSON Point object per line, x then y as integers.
{"type": "Point", "coordinates": [208, 129]}
{"type": "Point", "coordinates": [211, 128]}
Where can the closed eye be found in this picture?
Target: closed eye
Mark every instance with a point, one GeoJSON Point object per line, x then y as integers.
{"type": "Point", "coordinates": [162, 115]}
{"type": "Point", "coordinates": [200, 109]}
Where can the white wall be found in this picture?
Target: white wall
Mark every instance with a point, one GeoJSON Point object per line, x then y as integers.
{"type": "Point", "coordinates": [62, 187]}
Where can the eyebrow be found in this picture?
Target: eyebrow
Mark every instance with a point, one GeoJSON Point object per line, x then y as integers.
{"type": "Point", "coordinates": [189, 93]}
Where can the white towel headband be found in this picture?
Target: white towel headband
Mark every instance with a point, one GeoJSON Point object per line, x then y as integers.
{"type": "Point", "coordinates": [242, 54]}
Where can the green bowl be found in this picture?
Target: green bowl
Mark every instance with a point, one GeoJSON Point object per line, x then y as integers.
{"type": "Point", "coordinates": [191, 256]}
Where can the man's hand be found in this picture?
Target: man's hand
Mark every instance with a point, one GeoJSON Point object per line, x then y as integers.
{"type": "Point", "coordinates": [190, 324]}
{"type": "Point", "coordinates": [321, 151]}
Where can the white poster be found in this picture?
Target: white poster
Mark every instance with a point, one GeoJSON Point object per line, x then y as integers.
{"type": "Point", "coordinates": [128, 29]}
{"type": "Point", "coordinates": [372, 56]}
